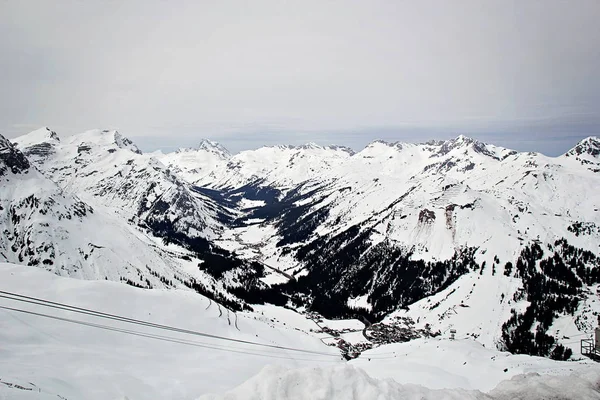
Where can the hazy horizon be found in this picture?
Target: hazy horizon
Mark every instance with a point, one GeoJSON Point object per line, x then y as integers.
{"type": "Point", "coordinates": [152, 144]}
{"type": "Point", "coordinates": [517, 74]}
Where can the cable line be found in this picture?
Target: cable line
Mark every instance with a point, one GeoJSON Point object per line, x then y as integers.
{"type": "Point", "coordinates": [86, 311]}
{"type": "Point", "coordinates": [157, 337]}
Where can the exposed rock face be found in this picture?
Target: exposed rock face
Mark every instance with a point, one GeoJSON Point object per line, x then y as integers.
{"type": "Point", "coordinates": [11, 159]}
{"type": "Point", "coordinates": [426, 216]}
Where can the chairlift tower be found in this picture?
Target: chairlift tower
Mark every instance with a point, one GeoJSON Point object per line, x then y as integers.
{"type": "Point", "coordinates": [591, 347]}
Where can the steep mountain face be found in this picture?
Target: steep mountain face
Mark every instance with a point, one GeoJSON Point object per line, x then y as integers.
{"type": "Point", "coordinates": [196, 164]}
{"type": "Point", "coordinates": [11, 160]}
{"type": "Point", "coordinates": [399, 222]}
{"type": "Point", "coordinates": [587, 152]}
{"type": "Point", "coordinates": [106, 169]}
{"type": "Point", "coordinates": [138, 193]}
{"type": "Point", "coordinates": [43, 226]}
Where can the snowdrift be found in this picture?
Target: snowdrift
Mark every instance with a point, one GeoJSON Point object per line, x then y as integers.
{"type": "Point", "coordinates": [349, 383]}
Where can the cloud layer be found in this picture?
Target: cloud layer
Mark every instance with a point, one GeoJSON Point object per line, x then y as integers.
{"type": "Point", "coordinates": [263, 72]}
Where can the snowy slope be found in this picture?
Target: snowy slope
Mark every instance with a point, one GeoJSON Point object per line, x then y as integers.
{"type": "Point", "coordinates": [454, 234]}
{"type": "Point", "coordinates": [107, 170]}
{"type": "Point", "coordinates": [55, 358]}
{"type": "Point", "coordinates": [44, 226]}
{"type": "Point", "coordinates": [281, 167]}
{"type": "Point", "coordinates": [397, 222]}
{"type": "Point", "coordinates": [82, 362]}
{"type": "Point", "coordinates": [195, 164]}
{"type": "Point", "coordinates": [345, 382]}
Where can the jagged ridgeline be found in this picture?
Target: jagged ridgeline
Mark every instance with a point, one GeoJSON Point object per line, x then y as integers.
{"type": "Point", "coordinates": [321, 228]}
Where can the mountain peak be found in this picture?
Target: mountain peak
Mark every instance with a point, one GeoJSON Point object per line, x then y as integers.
{"type": "Point", "coordinates": [109, 137]}
{"type": "Point", "coordinates": [42, 135]}
{"type": "Point", "coordinates": [213, 147]}
{"type": "Point", "coordinates": [310, 145]}
{"type": "Point", "coordinates": [126, 143]}
{"type": "Point", "coordinates": [461, 141]}
{"type": "Point", "coordinates": [49, 133]}
{"type": "Point", "coordinates": [590, 146]}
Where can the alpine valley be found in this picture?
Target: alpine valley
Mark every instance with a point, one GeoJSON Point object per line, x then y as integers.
{"type": "Point", "coordinates": [399, 244]}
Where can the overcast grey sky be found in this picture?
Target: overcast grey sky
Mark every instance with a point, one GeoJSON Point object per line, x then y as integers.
{"type": "Point", "coordinates": [523, 73]}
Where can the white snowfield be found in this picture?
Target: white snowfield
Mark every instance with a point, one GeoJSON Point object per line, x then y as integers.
{"type": "Point", "coordinates": [81, 362]}
{"type": "Point", "coordinates": [349, 383]}
{"type": "Point", "coordinates": [41, 358]}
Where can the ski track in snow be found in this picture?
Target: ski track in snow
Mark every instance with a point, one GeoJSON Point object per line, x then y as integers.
{"type": "Point", "coordinates": [93, 364]}
{"type": "Point", "coordinates": [432, 198]}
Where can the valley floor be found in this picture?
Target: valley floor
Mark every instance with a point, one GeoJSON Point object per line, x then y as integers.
{"type": "Point", "coordinates": [43, 358]}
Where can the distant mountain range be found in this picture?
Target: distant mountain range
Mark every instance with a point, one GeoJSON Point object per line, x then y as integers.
{"type": "Point", "coordinates": [497, 244]}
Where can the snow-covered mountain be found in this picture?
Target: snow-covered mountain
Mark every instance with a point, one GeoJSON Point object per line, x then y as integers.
{"type": "Point", "coordinates": [280, 166]}
{"type": "Point", "coordinates": [428, 237]}
{"type": "Point", "coordinates": [106, 169]}
{"type": "Point", "coordinates": [194, 164]}
{"type": "Point", "coordinates": [136, 221]}
{"type": "Point", "coordinates": [44, 226]}
{"type": "Point", "coordinates": [398, 222]}
{"type": "Point", "coordinates": [587, 152]}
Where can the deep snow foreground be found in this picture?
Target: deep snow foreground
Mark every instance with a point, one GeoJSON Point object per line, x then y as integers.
{"type": "Point", "coordinates": [349, 383]}
{"type": "Point", "coordinates": [54, 358]}
{"type": "Point", "coordinates": [80, 362]}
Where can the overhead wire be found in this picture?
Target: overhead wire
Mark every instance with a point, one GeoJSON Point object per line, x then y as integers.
{"type": "Point", "coordinates": [86, 311]}
{"type": "Point", "coordinates": [99, 314]}
{"type": "Point", "coordinates": [159, 337]}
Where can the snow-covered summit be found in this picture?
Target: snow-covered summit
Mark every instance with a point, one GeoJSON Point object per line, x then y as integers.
{"type": "Point", "coordinates": [465, 144]}
{"type": "Point", "coordinates": [194, 163]}
{"type": "Point", "coordinates": [589, 146]}
{"type": "Point", "coordinates": [213, 147]}
{"type": "Point", "coordinates": [377, 147]}
{"type": "Point", "coordinates": [587, 153]}
{"type": "Point", "coordinates": [104, 138]}
{"type": "Point", "coordinates": [39, 144]}
{"type": "Point", "coordinates": [42, 135]}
